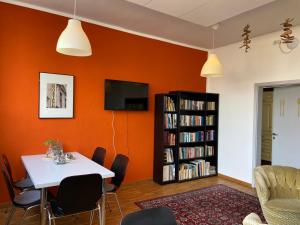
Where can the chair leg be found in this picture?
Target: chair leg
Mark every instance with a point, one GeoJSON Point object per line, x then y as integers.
{"type": "Point", "coordinates": [91, 217]}
{"type": "Point", "coordinates": [118, 204]}
{"type": "Point", "coordinates": [11, 213]}
{"type": "Point", "coordinates": [99, 215]}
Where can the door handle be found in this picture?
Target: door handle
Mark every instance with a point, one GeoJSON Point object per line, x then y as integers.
{"type": "Point", "coordinates": [274, 134]}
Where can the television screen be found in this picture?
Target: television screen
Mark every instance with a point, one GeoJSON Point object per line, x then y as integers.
{"type": "Point", "coordinates": [125, 95]}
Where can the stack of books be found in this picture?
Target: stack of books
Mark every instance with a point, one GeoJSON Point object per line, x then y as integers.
{"type": "Point", "coordinates": [169, 104]}
{"type": "Point", "coordinates": [209, 150]}
{"type": "Point", "coordinates": [210, 135]}
{"type": "Point", "coordinates": [186, 137]}
{"type": "Point", "coordinates": [168, 173]}
{"type": "Point", "coordinates": [190, 120]}
{"type": "Point", "coordinates": [191, 152]}
{"type": "Point", "coordinates": [191, 104]}
{"type": "Point", "coordinates": [170, 120]}
{"type": "Point", "coordinates": [194, 169]}
{"type": "Point", "coordinates": [210, 120]}
{"type": "Point", "coordinates": [169, 138]}
{"type": "Point", "coordinates": [211, 106]}
{"type": "Point", "coordinates": [168, 155]}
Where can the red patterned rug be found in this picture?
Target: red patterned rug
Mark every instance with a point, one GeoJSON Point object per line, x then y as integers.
{"type": "Point", "coordinates": [215, 205]}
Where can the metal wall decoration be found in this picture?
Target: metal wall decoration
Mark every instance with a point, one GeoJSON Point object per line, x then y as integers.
{"type": "Point", "coordinates": [287, 31]}
{"type": "Point", "coordinates": [245, 35]}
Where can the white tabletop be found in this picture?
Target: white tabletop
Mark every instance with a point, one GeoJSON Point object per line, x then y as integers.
{"type": "Point", "coordinates": [45, 173]}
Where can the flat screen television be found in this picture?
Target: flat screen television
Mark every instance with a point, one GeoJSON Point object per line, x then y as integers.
{"type": "Point", "coordinates": [125, 95]}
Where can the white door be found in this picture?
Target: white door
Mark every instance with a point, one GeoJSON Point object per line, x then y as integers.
{"type": "Point", "coordinates": [286, 127]}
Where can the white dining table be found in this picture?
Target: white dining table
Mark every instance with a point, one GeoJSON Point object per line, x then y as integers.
{"type": "Point", "coordinates": [44, 173]}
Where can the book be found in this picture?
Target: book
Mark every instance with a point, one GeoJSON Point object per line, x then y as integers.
{"type": "Point", "coordinates": [187, 137]}
{"type": "Point", "coordinates": [211, 106]}
{"type": "Point", "coordinates": [169, 104]}
{"type": "Point", "coordinates": [168, 155]}
{"type": "Point", "coordinates": [168, 172]}
{"type": "Point", "coordinates": [191, 120]}
{"type": "Point", "coordinates": [170, 120]}
{"type": "Point", "coordinates": [186, 104]}
{"type": "Point", "coordinates": [195, 169]}
{"type": "Point", "coordinates": [191, 152]}
{"type": "Point", "coordinates": [210, 120]}
{"type": "Point", "coordinates": [169, 138]}
{"type": "Point", "coordinates": [210, 135]}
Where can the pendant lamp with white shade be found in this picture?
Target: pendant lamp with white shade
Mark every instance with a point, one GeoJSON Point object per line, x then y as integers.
{"type": "Point", "coordinates": [212, 67]}
{"type": "Point", "coordinates": [73, 41]}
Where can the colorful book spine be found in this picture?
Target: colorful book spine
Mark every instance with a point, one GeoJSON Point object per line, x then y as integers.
{"type": "Point", "coordinates": [186, 137]}
{"type": "Point", "coordinates": [195, 169]}
{"type": "Point", "coordinates": [170, 120]}
{"type": "Point", "coordinates": [186, 104]}
{"type": "Point", "coordinates": [169, 138]}
{"type": "Point", "coordinates": [191, 120]}
{"type": "Point", "coordinates": [169, 104]}
{"type": "Point", "coordinates": [191, 152]}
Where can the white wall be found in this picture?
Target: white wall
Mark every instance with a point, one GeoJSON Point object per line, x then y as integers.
{"type": "Point", "coordinates": [286, 123]}
{"type": "Point", "coordinates": [263, 63]}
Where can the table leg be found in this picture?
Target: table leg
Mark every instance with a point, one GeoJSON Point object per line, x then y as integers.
{"type": "Point", "coordinates": [43, 206]}
{"type": "Point", "coordinates": [103, 203]}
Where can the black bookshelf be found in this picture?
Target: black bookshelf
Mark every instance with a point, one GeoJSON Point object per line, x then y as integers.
{"type": "Point", "coordinates": [193, 122]}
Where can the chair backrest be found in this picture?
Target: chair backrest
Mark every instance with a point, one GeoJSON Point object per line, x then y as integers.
{"type": "Point", "coordinates": [99, 155]}
{"type": "Point", "coordinates": [278, 181]}
{"type": "Point", "coordinates": [79, 193]}
{"type": "Point", "coordinates": [158, 216]}
{"type": "Point", "coordinates": [7, 166]}
{"type": "Point", "coordinates": [8, 183]}
{"type": "Point", "coordinates": [119, 167]}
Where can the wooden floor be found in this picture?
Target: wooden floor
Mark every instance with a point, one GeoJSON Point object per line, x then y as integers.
{"type": "Point", "coordinates": [128, 195]}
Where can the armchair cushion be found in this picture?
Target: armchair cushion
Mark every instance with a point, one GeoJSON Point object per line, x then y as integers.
{"type": "Point", "coordinates": [284, 205]}
{"type": "Point", "coordinates": [278, 190]}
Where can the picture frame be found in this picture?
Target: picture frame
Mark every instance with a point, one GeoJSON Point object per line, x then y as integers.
{"type": "Point", "coordinates": [56, 95]}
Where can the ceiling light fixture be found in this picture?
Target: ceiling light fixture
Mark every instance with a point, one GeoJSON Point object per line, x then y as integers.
{"type": "Point", "coordinates": [212, 67]}
{"type": "Point", "coordinates": [73, 41]}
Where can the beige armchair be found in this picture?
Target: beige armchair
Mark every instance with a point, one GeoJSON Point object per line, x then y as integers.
{"type": "Point", "coordinates": [278, 190]}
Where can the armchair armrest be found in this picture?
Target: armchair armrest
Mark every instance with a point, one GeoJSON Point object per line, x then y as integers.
{"type": "Point", "coordinates": [252, 219]}
{"type": "Point", "coordinates": [263, 190]}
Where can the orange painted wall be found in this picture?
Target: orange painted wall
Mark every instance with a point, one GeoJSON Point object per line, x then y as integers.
{"type": "Point", "coordinates": [27, 47]}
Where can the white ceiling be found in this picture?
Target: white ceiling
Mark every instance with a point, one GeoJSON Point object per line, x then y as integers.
{"type": "Point", "coordinates": [202, 12]}
{"type": "Point", "coordinates": [174, 24]}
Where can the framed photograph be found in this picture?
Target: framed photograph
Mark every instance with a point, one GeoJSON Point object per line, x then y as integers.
{"type": "Point", "coordinates": [56, 96]}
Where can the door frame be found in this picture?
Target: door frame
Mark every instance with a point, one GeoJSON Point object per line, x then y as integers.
{"type": "Point", "coordinates": [258, 104]}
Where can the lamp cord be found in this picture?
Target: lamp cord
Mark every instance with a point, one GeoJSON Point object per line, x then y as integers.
{"type": "Point", "coordinates": [114, 133]}
{"type": "Point", "coordinates": [75, 5]}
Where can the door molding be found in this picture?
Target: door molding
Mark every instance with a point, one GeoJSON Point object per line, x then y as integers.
{"type": "Point", "coordinates": [258, 92]}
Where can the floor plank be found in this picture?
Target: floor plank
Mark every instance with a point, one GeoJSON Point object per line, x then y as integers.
{"type": "Point", "coordinates": [129, 194]}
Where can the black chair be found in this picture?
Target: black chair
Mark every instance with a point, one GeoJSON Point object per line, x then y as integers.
{"type": "Point", "coordinates": [157, 216]}
{"type": "Point", "coordinates": [76, 194]}
{"type": "Point", "coordinates": [22, 184]}
{"type": "Point", "coordinates": [25, 200]}
{"type": "Point", "coordinates": [99, 155]}
{"type": "Point", "coordinates": [119, 167]}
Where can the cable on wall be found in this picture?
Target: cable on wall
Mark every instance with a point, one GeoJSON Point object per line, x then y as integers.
{"type": "Point", "coordinates": [114, 133]}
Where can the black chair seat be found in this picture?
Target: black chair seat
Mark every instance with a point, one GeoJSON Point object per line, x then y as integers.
{"type": "Point", "coordinates": [154, 216]}
{"type": "Point", "coordinates": [110, 188]}
{"type": "Point", "coordinates": [24, 183]}
{"type": "Point", "coordinates": [27, 199]}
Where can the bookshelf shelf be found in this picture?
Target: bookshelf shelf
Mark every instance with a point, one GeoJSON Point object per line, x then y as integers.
{"type": "Point", "coordinates": [184, 124]}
